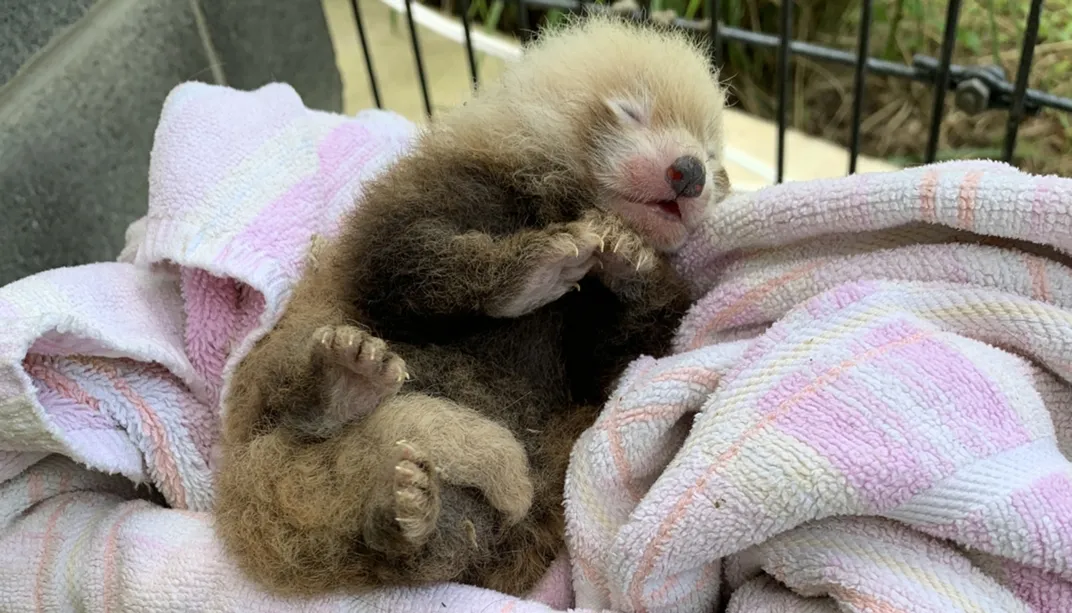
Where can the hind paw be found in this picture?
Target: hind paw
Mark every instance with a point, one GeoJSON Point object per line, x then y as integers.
{"type": "Point", "coordinates": [362, 354]}
{"type": "Point", "coordinates": [411, 509]}
{"type": "Point", "coordinates": [416, 496]}
{"type": "Point", "coordinates": [359, 373]}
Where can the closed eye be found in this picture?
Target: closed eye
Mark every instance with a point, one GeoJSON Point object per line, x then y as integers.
{"type": "Point", "coordinates": [627, 111]}
{"type": "Point", "coordinates": [632, 112]}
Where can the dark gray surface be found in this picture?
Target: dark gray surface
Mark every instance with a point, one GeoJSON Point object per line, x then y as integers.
{"type": "Point", "coordinates": [77, 121]}
{"type": "Point", "coordinates": [28, 25]}
{"type": "Point", "coordinates": [261, 41]}
{"type": "Point", "coordinates": [76, 130]}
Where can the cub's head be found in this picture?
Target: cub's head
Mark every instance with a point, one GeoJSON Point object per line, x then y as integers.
{"type": "Point", "coordinates": [644, 110]}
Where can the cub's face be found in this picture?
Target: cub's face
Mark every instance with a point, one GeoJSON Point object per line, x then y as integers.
{"type": "Point", "coordinates": [658, 162]}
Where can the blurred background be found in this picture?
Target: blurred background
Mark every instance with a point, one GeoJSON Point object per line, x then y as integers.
{"type": "Point", "coordinates": [896, 112]}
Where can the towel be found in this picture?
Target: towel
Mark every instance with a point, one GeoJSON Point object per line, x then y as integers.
{"type": "Point", "coordinates": [867, 410]}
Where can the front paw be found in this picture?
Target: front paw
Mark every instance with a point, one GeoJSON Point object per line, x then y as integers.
{"type": "Point", "coordinates": [623, 253]}
{"type": "Point", "coordinates": [626, 255]}
{"type": "Point", "coordinates": [554, 264]}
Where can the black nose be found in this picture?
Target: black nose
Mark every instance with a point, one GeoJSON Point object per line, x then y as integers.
{"type": "Point", "coordinates": [686, 176]}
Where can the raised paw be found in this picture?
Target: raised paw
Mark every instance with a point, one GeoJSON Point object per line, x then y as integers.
{"type": "Point", "coordinates": [554, 265]}
{"type": "Point", "coordinates": [361, 354]}
{"type": "Point", "coordinates": [624, 252]}
{"type": "Point", "coordinates": [411, 506]}
{"type": "Point", "coordinates": [360, 372]}
{"type": "Point", "coordinates": [627, 254]}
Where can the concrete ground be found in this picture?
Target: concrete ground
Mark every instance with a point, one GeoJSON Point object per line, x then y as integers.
{"type": "Point", "coordinates": [751, 142]}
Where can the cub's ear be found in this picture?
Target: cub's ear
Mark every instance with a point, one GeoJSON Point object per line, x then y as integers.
{"type": "Point", "coordinates": [629, 111]}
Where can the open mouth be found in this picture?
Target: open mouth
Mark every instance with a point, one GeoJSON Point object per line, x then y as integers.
{"type": "Point", "coordinates": [669, 207]}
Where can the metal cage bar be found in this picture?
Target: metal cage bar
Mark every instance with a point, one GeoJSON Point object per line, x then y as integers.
{"type": "Point", "coordinates": [859, 80]}
{"type": "Point", "coordinates": [418, 58]}
{"type": "Point", "coordinates": [373, 83]}
{"type": "Point", "coordinates": [523, 19]}
{"type": "Point", "coordinates": [714, 10]}
{"type": "Point", "coordinates": [941, 79]}
{"type": "Point", "coordinates": [469, 44]}
{"type": "Point", "coordinates": [783, 85]}
{"type": "Point", "coordinates": [1027, 56]}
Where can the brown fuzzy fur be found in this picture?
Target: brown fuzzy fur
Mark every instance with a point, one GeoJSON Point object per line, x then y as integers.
{"type": "Point", "coordinates": [410, 417]}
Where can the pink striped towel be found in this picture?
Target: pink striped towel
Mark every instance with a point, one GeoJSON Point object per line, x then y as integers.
{"type": "Point", "coordinates": [868, 410]}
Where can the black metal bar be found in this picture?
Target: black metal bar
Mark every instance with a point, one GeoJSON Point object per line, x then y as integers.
{"type": "Point", "coordinates": [783, 85]}
{"type": "Point", "coordinates": [823, 54]}
{"type": "Point", "coordinates": [417, 56]}
{"type": "Point", "coordinates": [1041, 98]}
{"type": "Point", "coordinates": [469, 44]}
{"type": "Point", "coordinates": [523, 20]}
{"type": "Point", "coordinates": [941, 81]}
{"type": "Point", "coordinates": [1027, 55]}
{"type": "Point", "coordinates": [714, 11]}
{"type": "Point", "coordinates": [860, 77]}
{"type": "Point", "coordinates": [373, 85]}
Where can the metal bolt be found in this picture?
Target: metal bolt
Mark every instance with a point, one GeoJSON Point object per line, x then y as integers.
{"type": "Point", "coordinates": [973, 96]}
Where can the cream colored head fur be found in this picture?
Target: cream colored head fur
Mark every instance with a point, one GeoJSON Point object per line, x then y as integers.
{"type": "Point", "coordinates": [617, 103]}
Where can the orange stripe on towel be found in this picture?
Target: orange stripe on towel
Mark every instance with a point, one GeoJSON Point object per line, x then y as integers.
{"type": "Point", "coordinates": [966, 200]}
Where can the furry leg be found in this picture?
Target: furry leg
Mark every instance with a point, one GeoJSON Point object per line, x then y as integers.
{"type": "Point", "coordinates": [450, 483]}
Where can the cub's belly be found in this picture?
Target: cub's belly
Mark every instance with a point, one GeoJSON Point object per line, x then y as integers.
{"type": "Point", "coordinates": [513, 371]}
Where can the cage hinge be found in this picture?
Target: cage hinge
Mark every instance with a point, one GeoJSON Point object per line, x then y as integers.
{"type": "Point", "coordinates": [976, 88]}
